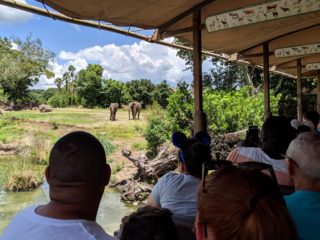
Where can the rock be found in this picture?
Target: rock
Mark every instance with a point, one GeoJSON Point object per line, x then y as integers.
{"type": "Point", "coordinates": [45, 108]}
{"type": "Point", "coordinates": [35, 108]}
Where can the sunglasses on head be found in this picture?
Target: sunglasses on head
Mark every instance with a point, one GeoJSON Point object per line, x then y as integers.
{"type": "Point", "coordinates": [255, 166]}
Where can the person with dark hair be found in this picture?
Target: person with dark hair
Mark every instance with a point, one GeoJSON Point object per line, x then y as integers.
{"type": "Point", "coordinates": [277, 133]}
{"type": "Point", "coordinates": [242, 204]}
{"type": "Point", "coordinates": [178, 191]}
{"type": "Point", "coordinates": [303, 161]}
{"type": "Point", "coordinates": [149, 223]}
{"type": "Point", "coordinates": [312, 117]}
{"type": "Point", "coordinates": [77, 175]}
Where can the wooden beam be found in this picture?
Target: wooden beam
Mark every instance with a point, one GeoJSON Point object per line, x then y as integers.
{"type": "Point", "coordinates": [266, 79]}
{"type": "Point", "coordinates": [292, 67]}
{"type": "Point", "coordinates": [179, 32]}
{"type": "Point", "coordinates": [199, 116]}
{"type": "Point", "coordinates": [197, 7]}
{"type": "Point", "coordinates": [299, 91]}
{"type": "Point", "coordinates": [255, 55]}
{"type": "Point", "coordinates": [318, 92]}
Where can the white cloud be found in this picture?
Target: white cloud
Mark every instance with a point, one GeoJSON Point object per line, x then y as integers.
{"type": "Point", "coordinates": [126, 62]}
{"type": "Point", "coordinates": [10, 15]}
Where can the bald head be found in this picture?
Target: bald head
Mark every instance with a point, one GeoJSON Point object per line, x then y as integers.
{"type": "Point", "coordinates": [305, 151]}
{"type": "Point", "coordinates": [78, 157]}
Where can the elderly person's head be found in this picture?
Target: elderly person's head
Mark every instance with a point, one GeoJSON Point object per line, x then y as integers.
{"type": "Point", "coordinates": [242, 204]}
{"type": "Point", "coordinates": [303, 161]}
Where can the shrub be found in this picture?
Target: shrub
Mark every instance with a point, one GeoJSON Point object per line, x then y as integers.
{"type": "Point", "coordinates": [59, 100]}
{"type": "Point", "coordinates": [107, 145]}
{"type": "Point", "coordinates": [229, 111]}
{"type": "Point", "coordinates": [40, 149]}
{"type": "Point", "coordinates": [22, 180]}
{"type": "Point", "coordinates": [157, 131]}
{"type": "Point", "coordinates": [180, 109]}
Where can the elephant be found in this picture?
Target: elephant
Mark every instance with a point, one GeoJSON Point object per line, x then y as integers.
{"type": "Point", "coordinates": [135, 108]}
{"type": "Point", "coordinates": [113, 110]}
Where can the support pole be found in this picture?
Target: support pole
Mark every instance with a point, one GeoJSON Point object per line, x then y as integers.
{"type": "Point", "coordinates": [266, 77]}
{"type": "Point", "coordinates": [318, 92]}
{"type": "Point", "coordinates": [199, 116]}
{"type": "Point", "coordinates": [299, 91]}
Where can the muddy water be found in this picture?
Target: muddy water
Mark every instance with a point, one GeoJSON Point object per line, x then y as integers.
{"type": "Point", "coordinates": [110, 212]}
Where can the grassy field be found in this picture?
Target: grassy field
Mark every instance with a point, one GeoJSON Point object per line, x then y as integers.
{"type": "Point", "coordinates": [37, 132]}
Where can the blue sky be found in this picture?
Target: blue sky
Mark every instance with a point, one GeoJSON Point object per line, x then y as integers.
{"type": "Point", "coordinates": [122, 57]}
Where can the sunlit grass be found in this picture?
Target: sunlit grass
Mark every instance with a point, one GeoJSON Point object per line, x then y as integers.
{"type": "Point", "coordinates": [42, 130]}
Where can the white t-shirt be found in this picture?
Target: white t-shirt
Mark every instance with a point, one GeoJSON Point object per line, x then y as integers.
{"type": "Point", "coordinates": [28, 225]}
{"type": "Point", "coordinates": [178, 193]}
{"type": "Point", "coordinates": [253, 154]}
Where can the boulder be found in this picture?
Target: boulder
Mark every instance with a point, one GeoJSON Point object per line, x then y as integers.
{"type": "Point", "coordinates": [45, 108]}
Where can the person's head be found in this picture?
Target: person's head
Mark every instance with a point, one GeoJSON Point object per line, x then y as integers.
{"type": "Point", "coordinates": [77, 170]}
{"type": "Point", "coordinates": [313, 117]}
{"type": "Point", "coordinates": [193, 152]}
{"type": "Point", "coordinates": [244, 205]}
{"type": "Point", "coordinates": [303, 161]}
{"type": "Point", "coordinates": [277, 133]}
{"type": "Point", "coordinates": [149, 223]}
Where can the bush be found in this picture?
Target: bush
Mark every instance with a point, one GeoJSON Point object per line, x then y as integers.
{"type": "Point", "coordinates": [229, 111]}
{"type": "Point", "coordinates": [157, 131]}
{"type": "Point", "coordinates": [180, 109]}
{"type": "Point", "coordinates": [40, 150]}
{"type": "Point", "coordinates": [107, 145]}
{"type": "Point", "coordinates": [22, 180]}
{"type": "Point", "coordinates": [59, 100]}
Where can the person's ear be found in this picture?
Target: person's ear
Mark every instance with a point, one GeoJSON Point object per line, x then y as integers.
{"type": "Point", "coordinates": [290, 167]}
{"type": "Point", "coordinates": [47, 173]}
{"type": "Point", "coordinates": [108, 174]}
{"type": "Point", "coordinates": [199, 227]}
{"type": "Point", "coordinates": [181, 167]}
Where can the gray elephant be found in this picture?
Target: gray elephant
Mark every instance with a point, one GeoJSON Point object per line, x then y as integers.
{"type": "Point", "coordinates": [113, 110]}
{"type": "Point", "coordinates": [135, 108]}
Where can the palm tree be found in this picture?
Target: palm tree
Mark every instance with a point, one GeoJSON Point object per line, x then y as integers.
{"type": "Point", "coordinates": [58, 82]}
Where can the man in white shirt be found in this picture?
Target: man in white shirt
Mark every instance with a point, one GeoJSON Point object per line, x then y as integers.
{"type": "Point", "coordinates": [77, 175]}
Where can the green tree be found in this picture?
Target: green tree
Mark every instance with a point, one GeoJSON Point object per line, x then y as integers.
{"type": "Point", "coordinates": [58, 82]}
{"type": "Point", "coordinates": [21, 66]}
{"type": "Point", "coordinates": [180, 108]}
{"type": "Point", "coordinates": [115, 92]}
{"type": "Point", "coordinates": [141, 90]}
{"type": "Point", "coordinates": [161, 93]}
{"type": "Point", "coordinates": [229, 111]}
{"type": "Point", "coordinates": [48, 93]}
{"type": "Point", "coordinates": [89, 85]}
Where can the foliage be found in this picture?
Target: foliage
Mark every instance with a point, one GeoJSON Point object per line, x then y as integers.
{"type": "Point", "coordinates": [22, 180]}
{"type": "Point", "coordinates": [48, 93]}
{"type": "Point", "coordinates": [141, 91]}
{"type": "Point", "coordinates": [59, 100]}
{"type": "Point", "coordinates": [21, 65]}
{"type": "Point", "coordinates": [229, 111]}
{"type": "Point", "coordinates": [89, 84]}
{"type": "Point", "coordinates": [115, 92]}
{"type": "Point", "coordinates": [40, 149]}
{"type": "Point", "coordinates": [3, 97]}
{"type": "Point", "coordinates": [180, 108]}
{"type": "Point", "coordinates": [161, 93]}
{"type": "Point", "coordinates": [157, 131]}
{"type": "Point", "coordinates": [107, 145]}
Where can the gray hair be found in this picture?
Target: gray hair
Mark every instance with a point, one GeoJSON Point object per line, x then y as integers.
{"type": "Point", "coordinates": [305, 151]}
